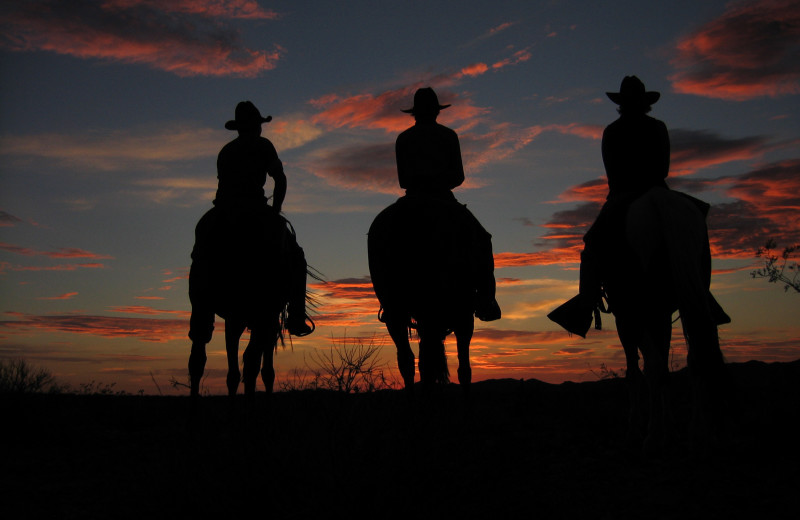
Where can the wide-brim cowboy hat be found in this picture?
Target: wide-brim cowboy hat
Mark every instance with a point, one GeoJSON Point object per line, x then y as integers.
{"type": "Point", "coordinates": [632, 93]}
{"type": "Point", "coordinates": [246, 115]}
{"type": "Point", "coordinates": [425, 100]}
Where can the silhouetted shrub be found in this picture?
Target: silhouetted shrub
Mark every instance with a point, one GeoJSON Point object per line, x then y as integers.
{"type": "Point", "coordinates": [344, 367]}
{"type": "Point", "coordinates": [786, 272]}
{"type": "Point", "coordinates": [17, 376]}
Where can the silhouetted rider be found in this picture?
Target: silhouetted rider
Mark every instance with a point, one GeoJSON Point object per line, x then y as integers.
{"type": "Point", "coordinates": [428, 154]}
{"type": "Point", "coordinates": [244, 163]}
{"type": "Point", "coordinates": [636, 154]}
{"type": "Point", "coordinates": [242, 169]}
{"type": "Point", "coordinates": [429, 165]}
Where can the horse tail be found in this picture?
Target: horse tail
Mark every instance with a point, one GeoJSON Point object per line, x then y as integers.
{"type": "Point", "coordinates": [686, 236]}
{"type": "Point", "coordinates": [433, 361]}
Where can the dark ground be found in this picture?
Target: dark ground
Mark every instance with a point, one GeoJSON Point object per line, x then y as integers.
{"type": "Point", "coordinates": [524, 449]}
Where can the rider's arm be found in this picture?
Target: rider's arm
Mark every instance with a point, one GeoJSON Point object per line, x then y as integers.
{"type": "Point", "coordinates": [456, 173]}
{"type": "Point", "coordinates": [279, 190]}
{"type": "Point", "coordinates": [402, 162]}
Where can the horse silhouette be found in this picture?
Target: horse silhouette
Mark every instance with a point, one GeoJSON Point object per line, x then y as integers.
{"type": "Point", "coordinates": [421, 252]}
{"type": "Point", "coordinates": [239, 265]}
{"type": "Point", "coordinates": [665, 267]}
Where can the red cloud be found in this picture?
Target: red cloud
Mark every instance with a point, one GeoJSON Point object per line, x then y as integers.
{"type": "Point", "coordinates": [555, 256]}
{"type": "Point", "coordinates": [348, 288]}
{"type": "Point", "coordinates": [383, 111]}
{"type": "Point", "coordinates": [148, 311]}
{"type": "Point", "coordinates": [246, 9]}
{"type": "Point", "coordinates": [65, 296]}
{"type": "Point", "coordinates": [349, 302]}
{"type": "Point", "coordinates": [186, 38]}
{"type": "Point", "coordinates": [64, 252]}
{"type": "Point", "coordinates": [768, 207]}
{"type": "Point", "coordinates": [62, 267]}
{"type": "Point", "coordinates": [595, 190]}
{"type": "Point", "coordinates": [692, 150]}
{"type": "Point", "coordinates": [144, 329]}
{"type": "Point", "coordinates": [517, 57]}
{"type": "Point", "coordinates": [748, 52]}
{"type": "Point", "coordinates": [474, 70]}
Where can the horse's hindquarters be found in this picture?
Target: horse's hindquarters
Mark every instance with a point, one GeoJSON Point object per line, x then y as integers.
{"type": "Point", "coordinates": [239, 264]}
{"type": "Point", "coordinates": [421, 258]}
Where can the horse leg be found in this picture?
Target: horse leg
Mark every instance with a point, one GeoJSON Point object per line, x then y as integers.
{"type": "Point", "coordinates": [432, 358]}
{"type": "Point", "coordinates": [655, 349]}
{"type": "Point", "coordinates": [463, 333]}
{"type": "Point", "coordinates": [201, 328]}
{"type": "Point", "coordinates": [268, 368]}
{"type": "Point", "coordinates": [233, 331]}
{"type": "Point", "coordinates": [630, 335]}
{"type": "Point", "coordinates": [706, 372]}
{"type": "Point", "coordinates": [405, 356]}
{"type": "Point", "coordinates": [197, 365]}
{"type": "Point", "coordinates": [252, 365]}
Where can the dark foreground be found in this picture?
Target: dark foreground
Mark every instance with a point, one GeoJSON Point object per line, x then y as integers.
{"type": "Point", "coordinates": [524, 449]}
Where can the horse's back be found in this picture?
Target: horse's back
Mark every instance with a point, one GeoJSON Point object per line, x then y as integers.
{"type": "Point", "coordinates": [419, 256]}
{"type": "Point", "coordinates": [237, 262]}
{"type": "Point", "coordinates": [670, 227]}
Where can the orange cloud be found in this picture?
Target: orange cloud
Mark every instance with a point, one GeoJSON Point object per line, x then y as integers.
{"type": "Point", "coordinates": [62, 267]}
{"type": "Point", "coordinates": [381, 111]}
{"type": "Point", "coordinates": [516, 58]}
{"type": "Point", "coordinates": [185, 38]}
{"type": "Point", "coordinates": [555, 256]}
{"type": "Point", "coordinates": [348, 303]}
{"type": "Point", "coordinates": [474, 70]}
{"type": "Point", "coordinates": [65, 296]}
{"type": "Point", "coordinates": [748, 52]}
{"type": "Point", "coordinates": [64, 252]}
{"type": "Point", "coordinates": [147, 311]}
{"type": "Point", "coordinates": [144, 329]}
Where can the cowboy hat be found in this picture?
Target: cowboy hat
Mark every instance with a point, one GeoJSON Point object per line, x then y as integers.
{"type": "Point", "coordinates": [632, 92]}
{"type": "Point", "coordinates": [246, 115]}
{"type": "Point", "coordinates": [425, 100]}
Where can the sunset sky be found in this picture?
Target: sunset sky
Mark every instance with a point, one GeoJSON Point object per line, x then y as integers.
{"type": "Point", "coordinates": [112, 113]}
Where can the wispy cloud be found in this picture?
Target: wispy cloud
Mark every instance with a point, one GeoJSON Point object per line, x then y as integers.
{"type": "Point", "coordinates": [8, 220]}
{"type": "Point", "coordinates": [750, 51]}
{"type": "Point", "coordinates": [346, 303]}
{"type": "Point", "coordinates": [117, 149]}
{"type": "Point", "coordinates": [145, 329]}
{"type": "Point", "coordinates": [6, 266]}
{"type": "Point", "coordinates": [366, 167]}
{"type": "Point", "coordinates": [693, 150]}
{"type": "Point", "coordinates": [149, 147]}
{"type": "Point", "coordinates": [187, 38]}
{"type": "Point", "coordinates": [767, 206]}
{"type": "Point", "coordinates": [65, 296]}
{"type": "Point", "coordinates": [63, 252]}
